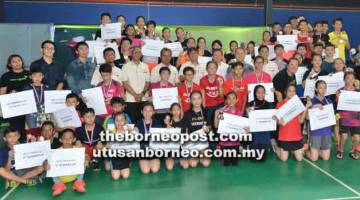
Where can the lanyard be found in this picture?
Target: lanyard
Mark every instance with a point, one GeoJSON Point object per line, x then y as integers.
{"type": "Point", "coordinates": [39, 100]}
{"type": "Point", "coordinates": [187, 91]}
{"type": "Point", "coordinates": [262, 74]}
{"type": "Point", "coordinates": [90, 139]}
{"type": "Point", "coordinates": [106, 91]}
{"type": "Point", "coordinates": [166, 85]}
{"type": "Point", "coordinates": [322, 102]}
{"type": "Point", "coordinates": [145, 128]}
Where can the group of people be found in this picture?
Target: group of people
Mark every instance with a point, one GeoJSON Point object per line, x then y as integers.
{"type": "Point", "coordinates": [205, 92]}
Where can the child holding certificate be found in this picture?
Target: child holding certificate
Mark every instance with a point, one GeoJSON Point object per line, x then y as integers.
{"type": "Point", "coordinates": [118, 106]}
{"type": "Point", "coordinates": [196, 119]}
{"type": "Point", "coordinates": [320, 139]}
{"type": "Point", "coordinates": [290, 137]}
{"type": "Point", "coordinates": [48, 132]}
{"type": "Point", "coordinates": [120, 167]}
{"type": "Point", "coordinates": [212, 89]}
{"type": "Point", "coordinates": [349, 121]}
{"type": "Point", "coordinates": [34, 121]}
{"type": "Point", "coordinates": [260, 140]}
{"type": "Point", "coordinates": [67, 139]}
{"type": "Point", "coordinates": [88, 135]}
{"type": "Point", "coordinates": [163, 83]}
{"type": "Point", "coordinates": [73, 100]}
{"type": "Point", "coordinates": [109, 87]}
{"type": "Point", "coordinates": [174, 120]}
{"type": "Point", "coordinates": [148, 164]}
{"type": "Point", "coordinates": [7, 163]}
{"type": "Point", "coordinates": [231, 100]}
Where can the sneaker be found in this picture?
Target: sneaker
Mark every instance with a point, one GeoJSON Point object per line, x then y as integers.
{"type": "Point", "coordinates": [58, 188]}
{"type": "Point", "coordinates": [34, 181]}
{"type": "Point", "coordinates": [96, 165]}
{"type": "Point", "coordinates": [79, 186]}
{"type": "Point", "coordinates": [10, 184]}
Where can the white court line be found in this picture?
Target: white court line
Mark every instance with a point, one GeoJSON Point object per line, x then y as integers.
{"type": "Point", "coordinates": [7, 194]}
{"type": "Point", "coordinates": [335, 179]}
{"type": "Point", "coordinates": [341, 198]}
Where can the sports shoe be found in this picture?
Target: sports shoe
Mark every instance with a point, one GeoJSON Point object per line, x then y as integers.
{"type": "Point", "coordinates": [58, 188]}
{"type": "Point", "coordinates": [79, 186]}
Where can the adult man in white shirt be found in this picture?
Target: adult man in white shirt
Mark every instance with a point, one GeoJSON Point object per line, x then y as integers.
{"type": "Point", "coordinates": [136, 83]}
{"type": "Point", "coordinates": [165, 56]}
{"type": "Point", "coordinates": [117, 74]}
{"type": "Point", "coordinates": [270, 67]}
{"type": "Point", "coordinates": [200, 71]}
{"type": "Point", "coordinates": [222, 67]}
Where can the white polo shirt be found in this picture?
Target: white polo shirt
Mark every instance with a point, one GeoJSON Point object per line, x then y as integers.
{"type": "Point", "coordinates": [200, 71]}
{"type": "Point", "coordinates": [155, 76]}
{"type": "Point", "coordinates": [222, 69]}
{"type": "Point", "coordinates": [271, 68]}
{"type": "Point", "coordinates": [136, 75]}
{"type": "Point", "coordinates": [116, 75]}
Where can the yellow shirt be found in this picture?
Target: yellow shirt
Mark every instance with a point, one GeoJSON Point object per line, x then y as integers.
{"type": "Point", "coordinates": [341, 41]}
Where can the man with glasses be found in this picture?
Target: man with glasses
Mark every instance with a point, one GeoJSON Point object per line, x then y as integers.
{"type": "Point", "coordinates": [53, 71]}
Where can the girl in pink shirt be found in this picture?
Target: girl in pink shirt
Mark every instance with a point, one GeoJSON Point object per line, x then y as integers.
{"type": "Point", "coordinates": [230, 108]}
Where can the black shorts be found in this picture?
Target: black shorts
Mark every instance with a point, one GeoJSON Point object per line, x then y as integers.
{"type": "Point", "coordinates": [291, 146]}
{"type": "Point", "coordinates": [353, 130]}
{"type": "Point", "coordinates": [119, 163]}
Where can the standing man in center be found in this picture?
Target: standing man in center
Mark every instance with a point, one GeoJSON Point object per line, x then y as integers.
{"type": "Point", "coordinates": [136, 83]}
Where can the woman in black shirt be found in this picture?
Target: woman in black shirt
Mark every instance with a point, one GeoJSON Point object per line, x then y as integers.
{"type": "Point", "coordinates": [196, 119]}
{"type": "Point", "coordinates": [15, 80]}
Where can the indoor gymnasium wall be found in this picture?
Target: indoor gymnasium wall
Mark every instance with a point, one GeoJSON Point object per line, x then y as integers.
{"type": "Point", "coordinates": [88, 13]}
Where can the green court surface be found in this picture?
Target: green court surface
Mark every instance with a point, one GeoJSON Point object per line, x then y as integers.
{"type": "Point", "coordinates": [335, 179]}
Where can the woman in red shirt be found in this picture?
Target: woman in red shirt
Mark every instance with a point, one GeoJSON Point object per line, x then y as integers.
{"type": "Point", "coordinates": [290, 137]}
{"type": "Point", "coordinates": [211, 89]}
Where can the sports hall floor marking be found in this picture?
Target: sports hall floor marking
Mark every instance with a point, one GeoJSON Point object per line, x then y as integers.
{"type": "Point", "coordinates": [337, 180]}
{"type": "Point", "coordinates": [7, 194]}
{"type": "Point", "coordinates": [341, 198]}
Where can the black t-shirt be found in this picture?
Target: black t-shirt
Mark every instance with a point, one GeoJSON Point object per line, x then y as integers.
{"type": "Point", "coordinates": [195, 120]}
{"type": "Point", "coordinates": [307, 73]}
{"type": "Point", "coordinates": [15, 81]}
{"type": "Point", "coordinates": [53, 72]}
{"type": "Point", "coordinates": [55, 144]}
{"type": "Point", "coordinates": [229, 56]}
{"type": "Point", "coordinates": [89, 138]}
{"type": "Point", "coordinates": [282, 80]}
{"type": "Point", "coordinates": [180, 124]}
{"type": "Point", "coordinates": [207, 53]}
{"type": "Point", "coordinates": [97, 34]}
{"type": "Point", "coordinates": [323, 37]}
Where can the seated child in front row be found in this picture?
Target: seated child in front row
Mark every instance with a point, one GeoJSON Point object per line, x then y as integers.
{"type": "Point", "coordinates": [48, 132]}
{"type": "Point", "coordinates": [7, 163]}
{"type": "Point", "coordinates": [290, 137]}
{"type": "Point", "coordinates": [349, 121]}
{"type": "Point", "coordinates": [67, 139]}
{"type": "Point", "coordinates": [120, 167]}
{"type": "Point", "coordinates": [88, 135]}
{"type": "Point", "coordinates": [118, 106]}
{"type": "Point", "coordinates": [260, 140]}
{"type": "Point", "coordinates": [320, 139]}
{"type": "Point", "coordinates": [231, 101]}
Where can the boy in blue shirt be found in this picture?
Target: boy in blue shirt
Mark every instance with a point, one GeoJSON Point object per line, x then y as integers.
{"type": "Point", "coordinates": [7, 163]}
